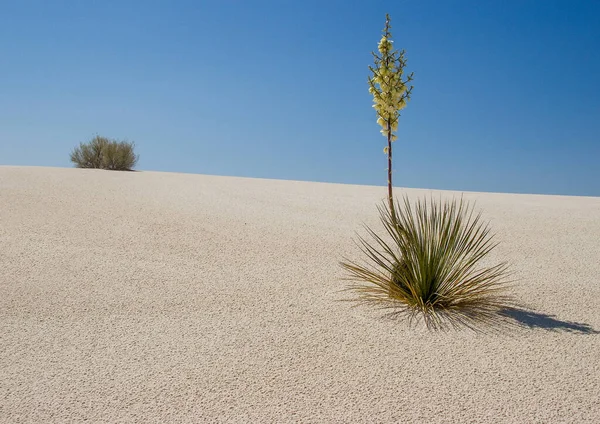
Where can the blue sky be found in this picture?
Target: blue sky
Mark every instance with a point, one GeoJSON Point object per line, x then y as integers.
{"type": "Point", "coordinates": [506, 98]}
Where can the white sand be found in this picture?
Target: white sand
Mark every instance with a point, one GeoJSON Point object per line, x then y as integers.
{"type": "Point", "coordinates": [159, 297]}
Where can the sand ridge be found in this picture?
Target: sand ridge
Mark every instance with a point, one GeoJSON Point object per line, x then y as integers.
{"type": "Point", "coordinates": [163, 297]}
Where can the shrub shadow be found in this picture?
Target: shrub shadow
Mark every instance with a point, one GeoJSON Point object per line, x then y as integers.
{"type": "Point", "coordinates": [532, 319]}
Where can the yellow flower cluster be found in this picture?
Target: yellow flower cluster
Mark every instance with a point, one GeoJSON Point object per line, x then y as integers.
{"type": "Point", "coordinates": [384, 45]}
{"type": "Point", "coordinates": [388, 89]}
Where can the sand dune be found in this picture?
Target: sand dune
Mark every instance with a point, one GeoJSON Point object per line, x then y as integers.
{"type": "Point", "coordinates": [160, 297]}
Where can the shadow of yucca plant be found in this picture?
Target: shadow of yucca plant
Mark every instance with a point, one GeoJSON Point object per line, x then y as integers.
{"type": "Point", "coordinates": [429, 266]}
{"type": "Point", "coordinates": [104, 153]}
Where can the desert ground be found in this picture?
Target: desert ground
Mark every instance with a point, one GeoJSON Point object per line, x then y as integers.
{"type": "Point", "coordinates": [162, 297]}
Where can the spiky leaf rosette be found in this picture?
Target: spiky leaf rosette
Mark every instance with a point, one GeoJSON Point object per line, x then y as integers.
{"type": "Point", "coordinates": [430, 266]}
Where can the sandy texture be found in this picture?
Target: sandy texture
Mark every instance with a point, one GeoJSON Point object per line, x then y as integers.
{"type": "Point", "coordinates": [158, 297]}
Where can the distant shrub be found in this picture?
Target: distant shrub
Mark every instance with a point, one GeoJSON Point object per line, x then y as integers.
{"type": "Point", "coordinates": [89, 155]}
{"type": "Point", "coordinates": [119, 156]}
{"type": "Point", "coordinates": [104, 153]}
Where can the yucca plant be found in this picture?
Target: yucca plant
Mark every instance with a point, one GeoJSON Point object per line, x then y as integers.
{"type": "Point", "coordinates": [429, 265]}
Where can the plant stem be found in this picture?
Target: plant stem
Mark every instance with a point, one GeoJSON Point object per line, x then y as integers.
{"type": "Point", "coordinates": [389, 152]}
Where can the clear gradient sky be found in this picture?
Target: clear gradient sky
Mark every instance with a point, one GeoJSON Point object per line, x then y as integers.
{"type": "Point", "coordinates": [506, 98]}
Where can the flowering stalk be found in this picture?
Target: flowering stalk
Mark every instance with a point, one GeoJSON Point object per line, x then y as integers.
{"type": "Point", "coordinates": [390, 94]}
